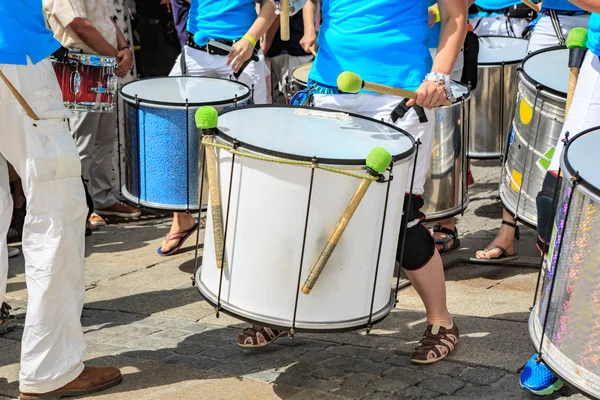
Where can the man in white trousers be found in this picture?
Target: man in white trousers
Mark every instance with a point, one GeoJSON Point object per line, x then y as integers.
{"type": "Point", "coordinates": [45, 157]}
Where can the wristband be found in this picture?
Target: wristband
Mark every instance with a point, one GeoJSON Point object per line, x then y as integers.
{"type": "Point", "coordinates": [443, 80]}
{"type": "Point", "coordinates": [250, 39]}
{"type": "Point", "coordinates": [125, 47]}
{"type": "Point", "coordinates": [436, 10]}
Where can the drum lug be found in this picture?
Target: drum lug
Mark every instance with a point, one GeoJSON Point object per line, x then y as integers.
{"type": "Point", "coordinates": [112, 84]}
{"type": "Point", "coordinates": [75, 82]}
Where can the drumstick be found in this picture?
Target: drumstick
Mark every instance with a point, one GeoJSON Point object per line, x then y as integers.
{"type": "Point", "coordinates": [377, 162]}
{"type": "Point", "coordinates": [350, 82]}
{"type": "Point", "coordinates": [206, 121]}
{"type": "Point", "coordinates": [284, 19]}
{"type": "Point", "coordinates": [313, 52]}
{"type": "Point", "coordinates": [531, 5]}
{"type": "Point", "coordinates": [577, 45]}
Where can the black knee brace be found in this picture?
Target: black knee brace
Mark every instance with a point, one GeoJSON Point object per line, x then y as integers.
{"type": "Point", "coordinates": [419, 245]}
{"type": "Point", "coordinates": [544, 202]}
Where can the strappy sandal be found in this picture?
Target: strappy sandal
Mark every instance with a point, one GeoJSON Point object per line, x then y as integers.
{"type": "Point", "coordinates": [436, 344]}
{"type": "Point", "coordinates": [181, 237]}
{"type": "Point", "coordinates": [258, 336]}
{"type": "Point", "coordinates": [450, 236]}
{"type": "Point", "coordinates": [9, 323]}
{"type": "Point", "coordinates": [504, 256]}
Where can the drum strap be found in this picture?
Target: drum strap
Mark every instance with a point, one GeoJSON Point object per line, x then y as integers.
{"type": "Point", "coordinates": [182, 63]}
{"type": "Point", "coordinates": [556, 25]}
{"type": "Point", "coordinates": [20, 98]}
{"type": "Point", "coordinates": [401, 110]}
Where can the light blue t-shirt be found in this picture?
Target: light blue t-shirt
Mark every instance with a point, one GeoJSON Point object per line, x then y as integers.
{"type": "Point", "coordinates": [594, 34]}
{"type": "Point", "coordinates": [493, 5]}
{"type": "Point", "coordinates": [562, 5]}
{"type": "Point", "coordinates": [384, 41]}
{"type": "Point", "coordinates": [23, 32]}
{"type": "Point", "coordinates": [220, 19]}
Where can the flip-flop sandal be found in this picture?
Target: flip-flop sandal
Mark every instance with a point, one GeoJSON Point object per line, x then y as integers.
{"type": "Point", "coordinates": [450, 236]}
{"type": "Point", "coordinates": [502, 258]}
{"type": "Point", "coordinates": [181, 236]}
{"type": "Point", "coordinates": [258, 336]}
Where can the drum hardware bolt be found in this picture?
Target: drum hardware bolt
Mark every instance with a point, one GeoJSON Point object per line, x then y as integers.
{"type": "Point", "coordinates": [291, 334]}
{"type": "Point", "coordinates": [369, 329]}
{"type": "Point", "coordinates": [193, 281]}
{"type": "Point", "coordinates": [217, 312]}
{"type": "Point", "coordinates": [575, 178]}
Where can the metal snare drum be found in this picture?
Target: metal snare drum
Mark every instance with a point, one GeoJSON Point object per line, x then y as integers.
{"type": "Point", "coordinates": [446, 185]}
{"type": "Point", "coordinates": [538, 121]}
{"type": "Point", "coordinates": [564, 322]}
{"type": "Point", "coordinates": [300, 76]}
{"type": "Point", "coordinates": [499, 58]}
{"type": "Point", "coordinates": [161, 139]}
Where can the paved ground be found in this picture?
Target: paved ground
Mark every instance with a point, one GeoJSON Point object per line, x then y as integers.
{"type": "Point", "coordinates": [143, 315]}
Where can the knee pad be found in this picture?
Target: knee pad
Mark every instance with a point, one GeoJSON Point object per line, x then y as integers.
{"type": "Point", "coordinates": [418, 248]}
{"type": "Point", "coordinates": [544, 201]}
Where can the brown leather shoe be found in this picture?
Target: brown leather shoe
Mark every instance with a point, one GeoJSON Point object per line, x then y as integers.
{"type": "Point", "coordinates": [119, 209]}
{"type": "Point", "coordinates": [91, 380]}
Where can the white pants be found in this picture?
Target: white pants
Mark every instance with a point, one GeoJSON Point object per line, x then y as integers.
{"type": "Point", "coordinates": [200, 63]}
{"type": "Point", "coordinates": [544, 35]}
{"type": "Point", "coordinates": [282, 67]}
{"type": "Point", "coordinates": [499, 25]}
{"type": "Point", "coordinates": [45, 157]}
{"type": "Point", "coordinates": [585, 109]}
{"type": "Point", "coordinates": [379, 106]}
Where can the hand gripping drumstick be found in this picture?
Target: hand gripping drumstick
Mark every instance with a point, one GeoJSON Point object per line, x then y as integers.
{"type": "Point", "coordinates": [377, 162]}
{"type": "Point", "coordinates": [206, 121]}
{"type": "Point", "coordinates": [350, 82]}
{"type": "Point", "coordinates": [577, 45]}
{"type": "Point", "coordinates": [284, 19]}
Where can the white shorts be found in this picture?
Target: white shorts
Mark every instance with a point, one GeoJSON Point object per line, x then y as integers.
{"type": "Point", "coordinates": [499, 25]}
{"type": "Point", "coordinates": [544, 35]}
{"type": "Point", "coordinates": [200, 63]}
{"type": "Point", "coordinates": [380, 107]}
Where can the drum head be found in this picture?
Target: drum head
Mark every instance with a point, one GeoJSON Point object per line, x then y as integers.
{"type": "Point", "coordinates": [580, 158]}
{"type": "Point", "coordinates": [549, 68]}
{"type": "Point", "coordinates": [495, 50]}
{"type": "Point", "coordinates": [302, 133]}
{"type": "Point", "coordinates": [300, 73]}
{"type": "Point", "coordinates": [179, 90]}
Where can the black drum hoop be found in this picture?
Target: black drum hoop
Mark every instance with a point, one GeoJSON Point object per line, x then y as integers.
{"type": "Point", "coordinates": [500, 63]}
{"type": "Point", "coordinates": [331, 161]}
{"type": "Point", "coordinates": [132, 98]}
{"type": "Point", "coordinates": [533, 81]}
{"type": "Point", "coordinates": [571, 170]}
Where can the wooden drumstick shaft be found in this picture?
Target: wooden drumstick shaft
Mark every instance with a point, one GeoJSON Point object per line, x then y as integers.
{"type": "Point", "coordinates": [316, 270]}
{"type": "Point", "coordinates": [215, 201]}
{"type": "Point", "coordinates": [284, 19]}
{"type": "Point", "coordinates": [573, 78]}
{"type": "Point", "coordinates": [376, 87]}
{"type": "Point", "coordinates": [313, 52]}
{"type": "Point", "coordinates": [531, 5]}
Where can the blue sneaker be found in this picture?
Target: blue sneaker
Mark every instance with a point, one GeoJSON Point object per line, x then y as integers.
{"type": "Point", "coordinates": [536, 378]}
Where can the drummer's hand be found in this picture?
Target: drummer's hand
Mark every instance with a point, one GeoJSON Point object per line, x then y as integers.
{"type": "Point", "coordinates": [240, 52]}
{"type": "Point", "coordinates": [309, 41]}
{"type": "Point", "coordinates": [432, 17]}
{"type": "Point", "coordinates": [124, 62]}
{"type": "Point", "coordinates": [429, 95]}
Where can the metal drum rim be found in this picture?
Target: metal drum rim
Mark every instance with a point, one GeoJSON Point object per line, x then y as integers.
{"type": "Point", "coordinates": [532, 84]}
{"type": "Point", "coordinates": [301, 326]}
{"type": "Point", "coordinates": [322, 161]}
{"type": "Point", "coordinates": [165, 104]}
{"type": "Point", "coordinates": [561, 95]}
{"type": "Point", "coordinates": [568, 171]}
{"type": "Point", "coordinates": [500, 64]}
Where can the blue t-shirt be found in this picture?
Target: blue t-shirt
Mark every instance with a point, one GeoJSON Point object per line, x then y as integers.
{"type": "Point", "coordinates": [220, 19]}
{"type": "Point", "coordinates": [493, 5]}
{"type": "Point", "coordinates": [384, 41]}
{"type": "Point", "coordinates": [563, 5]}
{"type": "Point", "coordinates": [594, 34]}
{"type": "Point", "coordinates": [23, 32]}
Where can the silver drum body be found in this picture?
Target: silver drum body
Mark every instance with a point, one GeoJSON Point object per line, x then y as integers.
{"type": "Point", "coordinates": [538, 121]}
{"type": "Point", "coordinates": [565, 319]}
{"type": "Point", "coordinates": [499, 58]}
{"type": "Point", "coordinates": [445, 192]}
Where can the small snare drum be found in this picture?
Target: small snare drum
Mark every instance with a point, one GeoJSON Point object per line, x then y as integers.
{"type": "Point", "coordinates": [88, 82]}
{"type": "Point", "coordinates": [300, 75]}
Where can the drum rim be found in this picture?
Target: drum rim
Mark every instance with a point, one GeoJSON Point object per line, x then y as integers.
{"type": "Point", "coordinates": [571, 171]}
{"type": "Point", "coordinates": [298, 67]}
{"type": "Point", "coordinates": [535, 83]}
{"type": "Point", "coordinates": [330, 161]}
{"type": "Point", "coordinates": [132, 99]}
{"type": "Point", "coordinates": [501, 63]}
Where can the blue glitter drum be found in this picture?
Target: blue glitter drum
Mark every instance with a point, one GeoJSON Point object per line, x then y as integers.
{"type": "Point", "coordinates": [161, 138]}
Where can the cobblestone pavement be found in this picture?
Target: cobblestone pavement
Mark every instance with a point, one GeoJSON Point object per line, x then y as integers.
{"type": "Point", "coordinates": [142, 315]}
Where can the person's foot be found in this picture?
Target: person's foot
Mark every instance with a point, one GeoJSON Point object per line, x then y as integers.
{"type": "Point", "coordinates": [502, 246]}
{"type": "Point", "coordinates": [536, 378]}
{"type": "Point", "coordinates": [119, 209]}
{"type": "Point", "coordinates": [95, 221]}
{"type": "Point", "coordinates": [258, 336]}
{"type": "Point", "coordinates": [446, 238]}
{"type": "Point", "coordinates": [436, 344]}
{"type": "Point", "coordinates": [180, 229]}
{"type": "Point", "coordinates": [7, 323]}
{"type": "Point", "coordinates": [91, 380]}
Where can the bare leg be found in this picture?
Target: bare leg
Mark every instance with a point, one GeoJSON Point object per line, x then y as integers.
{"type": "Point", "coordinates": [504, 238]}
{"type": "Point", "coordinates": [181, 222]}
{"type": "Point", "coordinates": [430, 283]}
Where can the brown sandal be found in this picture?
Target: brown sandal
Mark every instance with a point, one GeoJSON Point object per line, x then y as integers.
{"type": "Point", "coordinates": [436, 344]}
{"type": "Point", "coordinates": [258, 336]}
